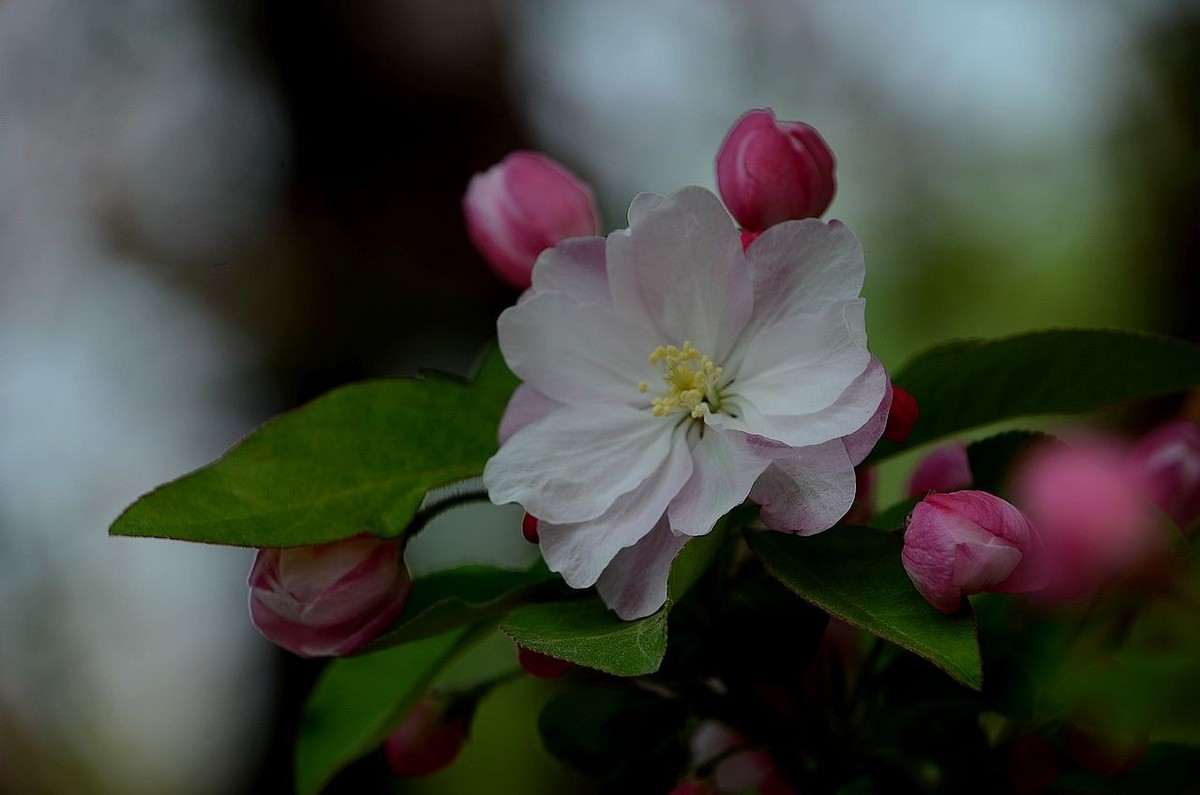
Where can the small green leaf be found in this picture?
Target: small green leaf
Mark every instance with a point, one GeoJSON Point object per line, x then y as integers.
{"type": "Point", "coordinates": [359, 700]}
{"type": "Point", "coordinates": [855, 574]}
{"type": "Point", "coordinates": [966, 384]}
{"type": "Point", "coordinates": [358, 459]}
{"type": "Point", "coordinates": [457, 597]}
{"type": "Point", "coordinates": [587, 633]}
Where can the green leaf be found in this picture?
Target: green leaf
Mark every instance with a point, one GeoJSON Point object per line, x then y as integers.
{"type": "Point", "coordinates": [855, 574]}
{"type": "Point", "coordinates": [359, 700]}
{"type": "Point", "coordinates": [358, 459]}
{"type": "Point", "coordinates": [966, 384]}
{"type": "Point", "coordinates": [587, 633]}
{"type": "Point", "coordinates": [458, 597]}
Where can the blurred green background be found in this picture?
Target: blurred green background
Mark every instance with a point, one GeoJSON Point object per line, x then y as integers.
{"type": "Point", "coordinates": [211, 212]}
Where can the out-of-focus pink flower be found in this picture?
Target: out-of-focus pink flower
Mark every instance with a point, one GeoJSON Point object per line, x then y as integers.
{"type": "Point", "coordinates": [945, 469]}
{"type": "Point", "coordinates": [966, 542]}
{"type": "Point", "coordinates": [770, 171]}
{"type": "Point", "coordinates": [1095, 523]}
{"type": "Point", "coordinates": [522, 206]}
{"type": "Point", "coordinates": [750, 770]}
{"type": "Point", "coordinates": [427, 740]}
{"type": "Point", "coordinates": [329, 599]}
{"type": "Point", "coordinates": [1168, 462]}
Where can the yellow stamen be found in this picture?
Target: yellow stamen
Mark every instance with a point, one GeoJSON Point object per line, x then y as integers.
{"type": "Point", "coordinates": [691, 379]}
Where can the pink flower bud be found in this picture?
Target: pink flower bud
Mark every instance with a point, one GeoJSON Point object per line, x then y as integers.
{"type": "Point", "coordinates": [1168, 462]}
{"type": "Point", "coordinates": [522, 206]}
{"type": "Point", "coordinates": [966, 542]}
{"type": "Point", "coordinates": [529, 528]}
{"type": "Point", "coordinates": [542, 666]}
{"type": "Point", "coordinates": [1095, 523]}
{"type": "Point", "coordinates": [770, 171]}
{"type": "Point", "coordinates": [694, 786]}
{"type": "Point", "coordinates": [945, 469]}
{"type": "Point", "coordinates": [902, 416]}
{"type": "Point", "coordinates": [329, 599]}
{"type": "Point", "coordinates": [427, 740]}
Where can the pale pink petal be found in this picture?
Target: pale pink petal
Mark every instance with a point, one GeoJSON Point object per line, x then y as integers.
{"type": "Point", "coordinates": [564, 467]}
{"type": "Point", "coordinates": [725, 467]}
{"type": "Point", "coordinates": [634, 585]}
{"type": "Point", "coordinates": [804, 363]}
{"type": "Point", "coordinates": [803, 266]}
{"type": "Point", "coordinates": [642, 205]}
{"type": "Point", "coordinates": [526, 405]}
{"type": "Point", "coordinates": [808, 492]}
{"type": "Point", "coordinates": [860, 443]}
{"type": "Point", "coordinates": [576, 267]}
{"type": "Point", "coordinates": [680, 269]}
{"type": "Point", "coordinates": [581, 551]}
{"type": "Point", "coordinates": [576, 351]}
{"type": "Point", "coordinates": [851, 411]}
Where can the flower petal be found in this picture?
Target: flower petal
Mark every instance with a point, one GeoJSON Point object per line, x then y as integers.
{"type": "Point", "coordinates": [860, 443]}
{"type": "Point", "coordinates": [634, 585]}
{"type": "Point", "coordinates": [575, 266]}
{"type": "Point", "coordinates": [803, 266]}
{"type": "Point", "coordinates": [725, 466]}
{"type": "Point", "coordinates": [803, 400]}
{"type": "Point", "coordinates": [809, 492]}
{"type": "Point", "coordinates": [581, 551]}
{"type": "Point", "coordinates": [571, 465]}
{"type": "Point", "coordinates": [527, 405]}
{"type": "Point", "coordinates": [576, 351]}
{"type": "Point", "coordinates": [679, 268]}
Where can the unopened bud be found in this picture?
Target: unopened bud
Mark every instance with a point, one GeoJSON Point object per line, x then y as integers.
{"type": "Point", "coordinates": [522, 206]}
{"type": "Point", "coordinates": [542, 666]}
{"type": "Point", "coordinates": [329, 599]}
{"type": "Point", "coordinates": [529, 528]}
{"type": "Point", "coordinates": [428, 739]}
{"type": "Point", "coordinates": [902, 416]}
{"type": "Point", "coordinates": [770, 171]}
{"type": "Point", "coordinates": [966, 542]}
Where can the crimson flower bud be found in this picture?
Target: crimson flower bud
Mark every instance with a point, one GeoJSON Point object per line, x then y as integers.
{"type": "Point", "coordinates": [542, 666]}
{"type": "Point", "coordinates": [522, 206]}
{"type": "Point", "coordinates": [966, 542]}
{"type": "Point", "coordinates": [329, 599]}
{"type": "Point", "coordinates": [770, 171]}
{"type": "Point", "coordinates": [427, 740]}
{"type": "Point", "coordinates": [529, 528]}
{"type": "Point", "coordinates": [902, 416]}
{"type": "Point", "coordinates": [1032, 764]}
{"type": "Point", "coordinates": [694, 786]}
{"type": "Point", "coordinates": [945, 469]}
{"type": "Point", "coordinates": [1167, 461]}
